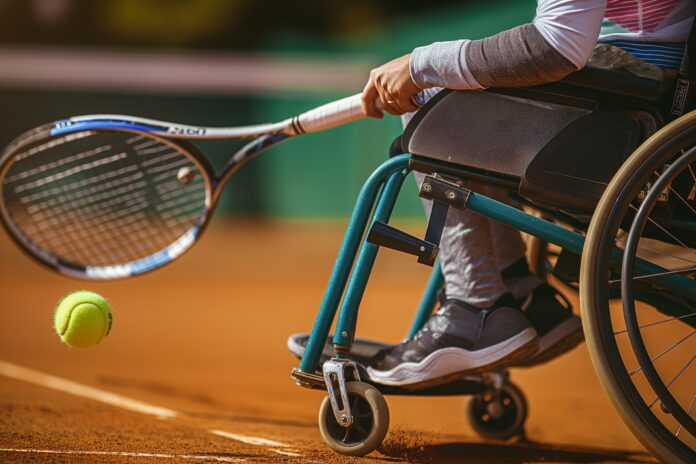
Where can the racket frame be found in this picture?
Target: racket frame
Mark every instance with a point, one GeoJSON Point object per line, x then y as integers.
{"type": "Point", "coordinates": [213, 187]}
{"type": "Point", "coordinates": [324, 117]}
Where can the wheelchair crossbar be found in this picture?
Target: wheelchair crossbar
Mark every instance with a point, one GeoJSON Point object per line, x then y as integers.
{"type": "Point", "coordinates": [572, 241]}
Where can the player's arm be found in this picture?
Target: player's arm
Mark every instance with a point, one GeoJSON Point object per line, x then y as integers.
{"type": "Point", "coordinates": [558, 42]}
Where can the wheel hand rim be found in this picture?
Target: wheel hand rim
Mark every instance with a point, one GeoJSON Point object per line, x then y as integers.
{"type": "Point", "coordinates": [630, 317]}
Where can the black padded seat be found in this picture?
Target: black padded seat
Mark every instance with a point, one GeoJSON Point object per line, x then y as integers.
{"type": "Point", "coordinates": [563, 142]}
{"type": "Point", "coordinates": [486, 130]}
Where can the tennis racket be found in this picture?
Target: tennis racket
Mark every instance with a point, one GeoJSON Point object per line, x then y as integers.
{"type": "Point", "coordinates": [111, 196]}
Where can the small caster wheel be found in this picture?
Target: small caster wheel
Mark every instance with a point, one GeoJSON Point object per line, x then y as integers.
{"type": "Point", "coordinates": [370, 421]}
{"type": "Point", "coordinates": [498, 416]}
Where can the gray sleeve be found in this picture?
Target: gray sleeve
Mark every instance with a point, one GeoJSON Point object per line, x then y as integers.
{"type": "Point", "coordinates": [518, 57]}
{"type": "Point", "coordinates": [442, 64]}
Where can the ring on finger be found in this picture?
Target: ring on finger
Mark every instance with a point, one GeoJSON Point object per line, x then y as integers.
{"type": "Point", "coordinates": [414, 101]}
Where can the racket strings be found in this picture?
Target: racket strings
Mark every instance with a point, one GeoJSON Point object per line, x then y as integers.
{"type": "Point", "coordinates": [132, 237]}
{"type": "Point", "coordinates": [104, 198]}
{"type": "Point", "coordinates": [123, 223]}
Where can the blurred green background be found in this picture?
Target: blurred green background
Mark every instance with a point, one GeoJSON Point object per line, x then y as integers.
{"type": "Point", "coordinates": [316, 176]}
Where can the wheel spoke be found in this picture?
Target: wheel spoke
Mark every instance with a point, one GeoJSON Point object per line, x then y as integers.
{"type": "Point", "coordinates": [657, 323]}
{"type": "Point", "coordinates": [648, 276]}
{"type": "Point", "coordinates": [669, 234]}
{"type": "Point", "coordinates": [664, 253]}
{"type": "Point", "coordinates": [683, 200]}
{"type": "Point", "coordinates": [688, 412]}
{"type": "Point", "coordinates": [654, 250]}
{"type": "Point", "coordinates": [360, 428]}
{"type": "Point", "coordinates": [677, 193]}
{"type": "Point", "coordinates": [664, 352]}
{"type": "Point", "coordinates": [355, 409]}
{"type": "Point", "coordinates": [674, 379]}
{"type": "Point", "coordinates": [354, 405]}
{"type": "Point", "coordinates": [347, 435]}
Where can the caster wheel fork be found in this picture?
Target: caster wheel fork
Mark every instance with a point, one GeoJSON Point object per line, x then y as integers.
{"type": "Point", "coordinates": [353, 417]}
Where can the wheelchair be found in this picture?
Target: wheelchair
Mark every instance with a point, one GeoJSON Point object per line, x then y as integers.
{"type": "Point", "coordinates": [611, 173]}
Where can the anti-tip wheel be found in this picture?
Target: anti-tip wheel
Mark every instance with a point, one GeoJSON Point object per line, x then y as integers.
{"type": "Point", "coordinates": [370, 421]}
{"type": "Point", "coordinates": [498, 416]}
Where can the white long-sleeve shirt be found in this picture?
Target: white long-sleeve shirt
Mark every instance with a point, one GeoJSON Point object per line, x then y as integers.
{"type": "Point", "coordinates": [647, 28]}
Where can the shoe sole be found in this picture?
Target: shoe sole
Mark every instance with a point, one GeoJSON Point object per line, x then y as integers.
{"type": "Point", "coordinates": [559, 340]}
{"type": "Point", "coordinates": [447, 364]}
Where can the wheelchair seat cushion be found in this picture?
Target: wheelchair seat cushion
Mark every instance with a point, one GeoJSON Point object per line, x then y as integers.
{"type": "Point", "coordinates": [561, 148]}
{"type": "Point", "coordinates": [486, 130]}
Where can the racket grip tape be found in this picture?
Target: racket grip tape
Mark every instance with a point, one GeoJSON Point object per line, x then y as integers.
{"type": "Point", "coordinates": [332, 114]}
{"type": "Point", "coordinates": [337, 113]}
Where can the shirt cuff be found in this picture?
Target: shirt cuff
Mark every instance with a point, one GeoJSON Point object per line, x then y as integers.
{"type": "Point", "coordinates": [442, 64]}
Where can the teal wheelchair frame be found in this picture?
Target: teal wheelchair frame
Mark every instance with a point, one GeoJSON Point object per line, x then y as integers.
{"type": "Point", "coordinates": [341, 377]}
{"type": "Point", "coordinates": [380, 192]}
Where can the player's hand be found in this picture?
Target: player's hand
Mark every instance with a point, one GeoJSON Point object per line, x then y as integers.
{"type": "Point", "coordinates": [390, 85]}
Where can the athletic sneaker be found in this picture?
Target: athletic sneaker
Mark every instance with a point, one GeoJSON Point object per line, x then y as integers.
{"type": "Point", "coordinates": [548, 311]}
{"type": "Point", "coordinates": [458, 340]}
{"type": "Point", "coordinates": [552, 316]}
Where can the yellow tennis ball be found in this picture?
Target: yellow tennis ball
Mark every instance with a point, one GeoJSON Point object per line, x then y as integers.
{"type": "Point", "coordinates": [82, 319]}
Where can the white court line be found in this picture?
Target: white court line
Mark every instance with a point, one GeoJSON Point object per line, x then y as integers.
{"type": "Point", "coordinates": [56, 383]}
{"type": "Point", "coordinates": [286, 453]}
{"type": "Point", "coordinates": [256, 441]}
{"type": "Point", "coordinates": [197, 457]}
{"type": "Point", "coordinates": [66, 386]}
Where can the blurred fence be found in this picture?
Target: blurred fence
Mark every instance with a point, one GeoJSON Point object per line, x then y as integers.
{"type": "Point", "coordinates": [317, 175]}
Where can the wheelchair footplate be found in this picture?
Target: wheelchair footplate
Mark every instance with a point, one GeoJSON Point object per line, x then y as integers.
{"type": "Point", "coordinates": [363, 350]}
{"type": "Point", "coordinates": [497, 408]}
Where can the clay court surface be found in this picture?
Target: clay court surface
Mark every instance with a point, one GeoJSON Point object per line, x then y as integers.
{"type": "Point", "coordinates": [204, 341]}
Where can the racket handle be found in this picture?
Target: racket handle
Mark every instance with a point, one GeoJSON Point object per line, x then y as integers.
{"type": "Point", "coordinates": [337, 113]}
{"type": "Point", "coordinates": [332, 114]}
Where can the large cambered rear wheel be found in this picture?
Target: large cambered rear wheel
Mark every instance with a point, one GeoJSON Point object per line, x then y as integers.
{"type": "Point", "coordinates": [638, 291]}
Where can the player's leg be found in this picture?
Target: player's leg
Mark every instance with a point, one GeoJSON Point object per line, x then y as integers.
{"type": "Point", "coordinates": [478, 327]}
{"type": "Point", "coordinates": [552, 317]}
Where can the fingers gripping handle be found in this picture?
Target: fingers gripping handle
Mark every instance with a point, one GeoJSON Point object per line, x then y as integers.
{"type": "Point", "coordinates": [337, 113]}
{"type": "Point", "coordinates": [332, 114]}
